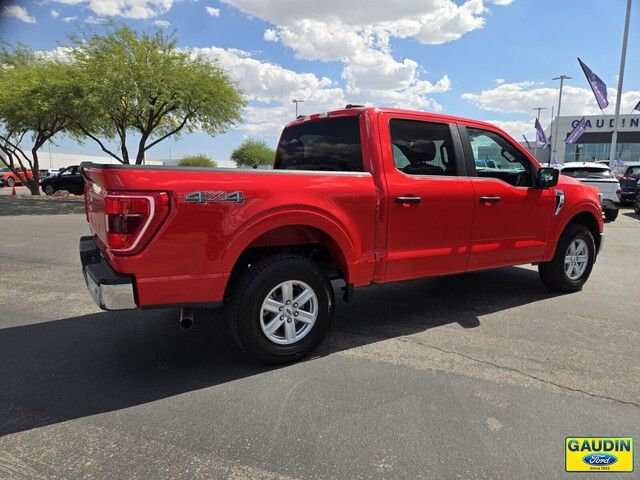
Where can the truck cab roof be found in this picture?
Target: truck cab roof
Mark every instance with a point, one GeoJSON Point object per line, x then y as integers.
{"type": "Point", "coordinates": [354, 110]}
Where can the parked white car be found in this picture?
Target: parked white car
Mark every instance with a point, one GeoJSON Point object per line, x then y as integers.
{"type": "Point", "coordinates": [599, 176]}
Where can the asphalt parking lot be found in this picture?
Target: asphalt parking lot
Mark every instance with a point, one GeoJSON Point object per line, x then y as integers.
{"type": "Point", "coordinates": [471, 376]}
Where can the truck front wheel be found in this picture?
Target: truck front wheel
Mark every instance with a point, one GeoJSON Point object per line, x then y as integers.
{"type": "Point", "coordinates": [611, 214]}
{"type": "Point", "coordinates": [280, 308]}
{"type": "Point", "coordinates": [571, 265]}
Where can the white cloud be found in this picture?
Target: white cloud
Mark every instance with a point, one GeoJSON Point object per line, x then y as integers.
{"type": "Point", "coordinates": [214, 12]}
{"type": "Point", "coordinates": [429, 21]}
{"type": "Point", "coordinates": [267, 82]}
{"type": "Point", "coordinates": [19, 12]}
{"type": "Point", "coordinates": [516, 128]}
{"type": "Point", "coordinates": [361, 38]}
{"type": "Point", "coordinates": [61, 54]}
{"type": "Point", "coordinates": [270, 35]}
{"type": "Point", "coordinates": [136, 9]}
{"type": "Point", "coordinates": [523, 97]}
{"type": "Point", "coordinates": [162, 23]}
{"type": "Point", "coordinates": [70, 19]}
{"type": "Point", "coordinates": [55, 13]}
{"type": "Point", "coordinates": [93, 20]}
{"type": "Point", "coordinates": [271, 87]}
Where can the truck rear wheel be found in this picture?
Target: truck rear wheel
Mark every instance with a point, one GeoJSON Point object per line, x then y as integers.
{"type": "Point", "coordinates": [280, 308]}
{"type": "Point", "coordinates": [571, 265]}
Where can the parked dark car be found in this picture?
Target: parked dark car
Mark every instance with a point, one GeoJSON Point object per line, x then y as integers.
{"type": "Point", "coordinates": [68, 179]}
{"type": "Point", "coordinates": [629, 182]}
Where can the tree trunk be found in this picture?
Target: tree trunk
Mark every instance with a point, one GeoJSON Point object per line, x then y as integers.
{"type": "Point", "coordinates": [34, 183]}
{"type": "Point", "coordinates": [141, 149]}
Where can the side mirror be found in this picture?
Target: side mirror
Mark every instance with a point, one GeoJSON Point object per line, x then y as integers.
{"type": "Point", "coordinates": [547, 177]}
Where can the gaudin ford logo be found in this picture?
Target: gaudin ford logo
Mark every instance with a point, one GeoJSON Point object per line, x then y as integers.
{"type": "Point", "coordinates": [598, 454]}
{"type": "Point", "coordinates": [599, 459]}
{"type": "Point", "coordinates": [209, 197]}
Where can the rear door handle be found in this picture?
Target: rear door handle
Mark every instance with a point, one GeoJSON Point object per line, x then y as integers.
{"type": "Point", "coordinates": [489, 199]}
{"type": "Point", "coordinates": [408, 199]}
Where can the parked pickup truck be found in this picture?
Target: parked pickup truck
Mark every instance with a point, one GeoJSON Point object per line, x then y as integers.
{"type": "Point", "coordinates": [365, 195]}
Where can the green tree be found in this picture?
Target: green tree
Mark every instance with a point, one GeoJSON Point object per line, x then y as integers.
{"type": "Point", "coordinates": [199, 160]}
{"type": "Point", "coordinates": [142, 84]}
{"type": "Point", "coordinates": [253, 153]}
{"type": "Point", "coordinates": [37, 94]}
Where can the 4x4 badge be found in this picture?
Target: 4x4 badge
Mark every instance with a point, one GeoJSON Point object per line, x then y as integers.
{"type": "Point", "coordinates": [208, 197]}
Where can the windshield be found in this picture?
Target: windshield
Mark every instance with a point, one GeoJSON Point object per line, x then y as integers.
{"type": "Point", "coordinates": [634, 171]}
{"type": "Point", "coordinates": [587, 172]}
{"type": "Point", "coordinates": [332, 144]}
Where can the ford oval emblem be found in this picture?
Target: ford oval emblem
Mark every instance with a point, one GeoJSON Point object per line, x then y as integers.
{"type": "Point", "coordinates": [602, 459]}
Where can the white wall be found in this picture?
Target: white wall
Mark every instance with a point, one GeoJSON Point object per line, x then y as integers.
{"type": "Point", "coordinates": [56, 160]}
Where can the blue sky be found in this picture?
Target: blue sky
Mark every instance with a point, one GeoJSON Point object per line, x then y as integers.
{"type": "Point", "coordinates": [486, 59]}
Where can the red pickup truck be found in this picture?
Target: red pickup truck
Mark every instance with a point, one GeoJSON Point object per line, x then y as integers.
{"type": "Point", "coordinates": [366, 195]}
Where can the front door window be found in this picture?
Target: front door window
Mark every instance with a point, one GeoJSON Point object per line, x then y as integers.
{"type": "Point", "coordinates": [495, 157]}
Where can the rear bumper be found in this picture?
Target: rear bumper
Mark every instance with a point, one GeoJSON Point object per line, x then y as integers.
{"type": "Point", "coordinates": [109, 289]}
{"type": "Point", "coordinates": [628, 195]}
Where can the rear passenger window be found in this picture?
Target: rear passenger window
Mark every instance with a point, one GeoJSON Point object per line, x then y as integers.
{"type": "Point", "coordinates": [332, 144]}
{"type": "Point", "coordinates": [422, 148]}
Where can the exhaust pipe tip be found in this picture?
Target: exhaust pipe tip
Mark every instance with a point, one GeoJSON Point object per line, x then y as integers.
{"type": "Point", "coordinates": [186, 318]}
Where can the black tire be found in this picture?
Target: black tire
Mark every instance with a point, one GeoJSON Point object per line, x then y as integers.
{"type": "Point", "coordinates": [636, 205]}
{"type": "Point", "coordinates": [251, 290]}
{"type": "Point", "coordinates": [553, 274]}
{"type": "Point", "coordinates": [611, 214]}
{"type": "Point", "coordinates": [48, 190]}
{"type": "Point", "coordinates": [10, 182]}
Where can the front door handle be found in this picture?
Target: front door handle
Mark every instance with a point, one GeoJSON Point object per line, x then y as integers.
{"type": "Point", "coordinates": [408, 199]}
{"type": "Point", "coordinates": [489, 199]}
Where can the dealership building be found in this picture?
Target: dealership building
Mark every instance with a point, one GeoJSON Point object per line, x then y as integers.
{"type": "Point", "coordinates": [595, 143]}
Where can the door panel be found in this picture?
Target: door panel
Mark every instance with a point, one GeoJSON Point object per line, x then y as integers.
{"type": "Point", "coordinates": [430, 237]}
{"type": "Point", "coordinates": [430, 209]}
{"type": "Point", "coordinates": [512, 216]}
{"type": "Point", "coordinates": [511, 230]}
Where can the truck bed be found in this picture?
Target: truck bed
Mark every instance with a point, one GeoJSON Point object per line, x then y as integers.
{"type": "Point", "coordinates": [214, 214]}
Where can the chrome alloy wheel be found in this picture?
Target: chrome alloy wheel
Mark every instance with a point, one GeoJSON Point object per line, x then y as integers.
{"type": "Point", "coordinates": [289, 312]}
{"type": "Point", "coordinates": [576, 259]}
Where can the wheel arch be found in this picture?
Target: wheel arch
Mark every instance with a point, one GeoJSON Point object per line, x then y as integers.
{"type": "Point", "coordinates": [587, 219]}
{"type": "Point", "coordinates": [310, 236]}
{"type": "Point", "coordinates": [583, 215]}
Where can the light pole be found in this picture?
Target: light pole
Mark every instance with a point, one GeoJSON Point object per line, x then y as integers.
{"type": "Point", "coordinates": [623, 55]}
{"type": "Point", "coordinates": [296, 101]}
{"type": "Point", "coordinates": [562, 78]}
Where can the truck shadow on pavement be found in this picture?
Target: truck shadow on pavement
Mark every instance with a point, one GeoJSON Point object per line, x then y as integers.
{"type": "Point", "coordinates": [75, 367]}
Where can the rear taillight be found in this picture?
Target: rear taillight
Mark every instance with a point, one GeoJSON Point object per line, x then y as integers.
{"type": "Point", "coordinates": [132, 218]}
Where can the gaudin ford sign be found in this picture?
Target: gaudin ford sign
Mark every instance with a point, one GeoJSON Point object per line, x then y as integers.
{"type": "Point", "coordinates": [633, 122]}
